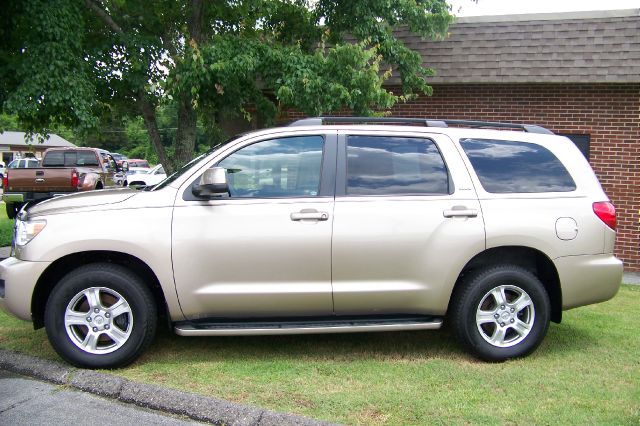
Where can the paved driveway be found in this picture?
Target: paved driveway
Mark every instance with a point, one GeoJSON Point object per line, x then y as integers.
{"type": "Point", "coordinates": [25, 401]}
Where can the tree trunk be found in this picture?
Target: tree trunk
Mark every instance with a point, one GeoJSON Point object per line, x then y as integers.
{"type": "Point", "coordinates": [149, 116]}
{"type": "Point", "coordinates": [185, 142]}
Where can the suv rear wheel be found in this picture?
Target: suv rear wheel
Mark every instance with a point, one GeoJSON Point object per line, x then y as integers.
{"type": "Point", "coordinates": [100, 316]}
{"type": "Point", "coordinates": [501, 313]}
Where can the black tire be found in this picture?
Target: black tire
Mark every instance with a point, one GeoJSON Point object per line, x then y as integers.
{"type": "Point", "coordinates": [495, 331]}
{"type": "Point", "coordinates": [12, 209]}
{"type": "Point", "coordinates": [110, 283]}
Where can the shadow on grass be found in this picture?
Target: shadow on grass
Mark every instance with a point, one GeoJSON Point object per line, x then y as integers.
{"type": "Point", "coordinates": [322, 347]}
{"type": "Point", "coordinates": [391, 346]}
{"type": "Point", "coordinates": [569, 338]}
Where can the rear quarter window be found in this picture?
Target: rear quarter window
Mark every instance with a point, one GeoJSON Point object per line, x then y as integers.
{"type": "Point", "coordinates": [516, 167]}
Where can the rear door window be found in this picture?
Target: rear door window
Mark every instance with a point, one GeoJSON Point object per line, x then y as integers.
{"type": "Point", "coordinates": [54, 159]}
{"type": "Point", "coordinates": [390, 165]}
{"type": "Point", "coordinates": [516, 167]}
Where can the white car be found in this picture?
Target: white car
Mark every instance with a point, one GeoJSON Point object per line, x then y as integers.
{"type": "Point", "coordinates": [148, 177]}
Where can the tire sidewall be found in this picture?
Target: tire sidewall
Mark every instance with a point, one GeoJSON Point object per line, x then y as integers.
{"type": "Point", "coordinates": [479, 287]}
{"type": "Point", "coordinates": [112, 277]}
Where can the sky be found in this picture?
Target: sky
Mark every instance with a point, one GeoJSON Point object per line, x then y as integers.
{"type": "Point", "coordinates": [511, 7]}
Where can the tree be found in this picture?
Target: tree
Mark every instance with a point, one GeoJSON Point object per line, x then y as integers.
{"type": "Point", "coordinates": [74, 63]}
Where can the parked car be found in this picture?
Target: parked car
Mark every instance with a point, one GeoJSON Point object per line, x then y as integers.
{"type": "Point", "coordinates": [63, 171]}
{"type": "Point", "coordinates": [326, 228]}
{"type": "Point", "coordinates": [24, 163]}
{"type": "Point", "coordinates": [119, 157]}
{"type": "Point", "coordinates": [148, 177]}
{"type": "Point", "coordinates": [135, 162]}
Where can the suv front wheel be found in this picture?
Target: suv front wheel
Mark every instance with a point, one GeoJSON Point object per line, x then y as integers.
{"type": "Point", "coordinates": [501, 313]}
{"type": "Point", "coordinates": [100, 316]}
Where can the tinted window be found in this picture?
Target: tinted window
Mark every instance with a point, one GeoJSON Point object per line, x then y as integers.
{"type": "Point", "coordinates": [82, 158]}
{"type": "Point", "coordinates": [506, 167]}
{"type": "Point", "coordinates": [53, 159]}
{"type": "Point", "coordinates": [583, 142]}
{"type": "Point", "coordinates": [287, 167]}
{"type": "Point", "coordinates": [381, 165]}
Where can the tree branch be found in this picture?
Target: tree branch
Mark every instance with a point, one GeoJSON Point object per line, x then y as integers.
{"type": "Point", "coordinates": [168, 45]}
{"type": "Point", "coordinates": [149, 116]}
{"type": "Point", "coordinates": [102, 14]}
{"type": "Point", "coordinates": [147, 110]}
{"type": "Point", "coordinates": [195, 21]}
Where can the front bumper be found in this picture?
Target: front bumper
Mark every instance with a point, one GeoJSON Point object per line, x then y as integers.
{"type": "Point", "coordinates": [588, 279]}
{"type": "Point", "coordinates": [19, 278]}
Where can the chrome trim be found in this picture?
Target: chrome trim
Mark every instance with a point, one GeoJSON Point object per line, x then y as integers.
{"type": "Point", "coordinates": [188, 331]}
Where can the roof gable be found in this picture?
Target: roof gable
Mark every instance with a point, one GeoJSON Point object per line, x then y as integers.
{"type": "Point", "coordinates": [18, 139]}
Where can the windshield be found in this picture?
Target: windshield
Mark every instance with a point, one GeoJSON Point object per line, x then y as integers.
{"type": "Point", "coordinates": [175, 175]}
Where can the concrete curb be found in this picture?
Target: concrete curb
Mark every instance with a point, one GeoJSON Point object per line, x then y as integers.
{"type": "Point", "coordinates": [196, 407]}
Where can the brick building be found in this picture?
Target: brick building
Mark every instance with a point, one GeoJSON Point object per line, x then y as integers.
{"type": "Point", "coordinates": [577, 74]}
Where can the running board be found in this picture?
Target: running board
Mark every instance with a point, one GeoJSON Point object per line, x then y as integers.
{"type": "Point", "coordinates": [305, 327]}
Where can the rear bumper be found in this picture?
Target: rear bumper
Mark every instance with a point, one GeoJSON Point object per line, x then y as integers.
{"type": "Point", "coordinates": [16, 197]}
{"type": "Point", "coordinates": [23, 197]}
{"type": "Point", "coordinates": [588, 279]}
{"type": "Point", "coordinates": [19, 278]}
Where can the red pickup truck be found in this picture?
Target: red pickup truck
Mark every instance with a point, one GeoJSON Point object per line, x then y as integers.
{"type": "Point", "coordinates": [63, 171]}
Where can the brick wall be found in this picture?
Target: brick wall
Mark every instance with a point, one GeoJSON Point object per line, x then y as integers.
{"type": "Point", "coordinates": [609, 113]}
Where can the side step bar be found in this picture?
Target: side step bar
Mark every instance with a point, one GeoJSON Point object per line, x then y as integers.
{"type": "Point", "coordinates": [305, 327]}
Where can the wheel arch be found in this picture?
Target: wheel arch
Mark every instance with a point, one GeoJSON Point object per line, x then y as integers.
{"type": "Point", "coordinates": [66, 264]}
{"type": "Point", "coordinates": [528, 258]}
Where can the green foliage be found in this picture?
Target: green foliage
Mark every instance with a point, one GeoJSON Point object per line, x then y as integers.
{"type": "Point", "coordinates": [103, 63]}
{"type": "Point", "coordinates": [6, 227]}
{"type": "Point", "coordinates": [8, 122]}
{"type": "Point", "coordinates": [52, 80]}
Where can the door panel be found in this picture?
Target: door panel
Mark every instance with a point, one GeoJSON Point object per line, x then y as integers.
{"type": "Point", "coordinates": [251, 259]}
{"type": "Point", "coordinates": [264, 251]}
{"type": "Point", "coordinates": [401, 253]}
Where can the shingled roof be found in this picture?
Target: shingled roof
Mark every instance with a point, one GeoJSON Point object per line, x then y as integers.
{"type": "Point", "coordinates": [18, 139]}
{"type": "Point", "coordinates": [576, 47]}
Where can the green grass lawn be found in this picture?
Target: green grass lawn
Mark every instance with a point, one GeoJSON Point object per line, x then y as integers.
{"type": "Point", "coordinates": [587, 371]}
{"type": "Point", "coordinates": [6, 227]}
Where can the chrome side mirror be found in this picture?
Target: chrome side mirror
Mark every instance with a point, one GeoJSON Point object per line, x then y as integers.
{"type": "Point", "coordinates": [213, 182]}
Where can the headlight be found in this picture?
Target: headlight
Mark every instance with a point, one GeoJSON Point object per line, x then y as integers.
{"type": "Point", "coordinates": [26, 231]}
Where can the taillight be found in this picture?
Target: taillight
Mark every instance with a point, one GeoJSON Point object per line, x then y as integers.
{"type": "Point", "coordinates": [5, 181]}
{"type": "Point", "coordinates": [74, 179]}
{"type": "Point", "coordinates": [606, 212]}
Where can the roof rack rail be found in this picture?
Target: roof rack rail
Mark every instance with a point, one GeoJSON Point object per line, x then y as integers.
{"type": "Point", "coordinates": [318, 121]}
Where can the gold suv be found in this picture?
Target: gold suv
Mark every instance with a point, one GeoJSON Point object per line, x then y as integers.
{"type": "Point", "coordinates": [330, 225]}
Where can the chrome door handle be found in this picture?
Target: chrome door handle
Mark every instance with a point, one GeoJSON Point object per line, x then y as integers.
{"type": "Point", "coordinates": [460, 211]}
{"type": "Point", "coordinates": [309, 214]}
{"type": "Point", "coordinates": [39, 180]}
